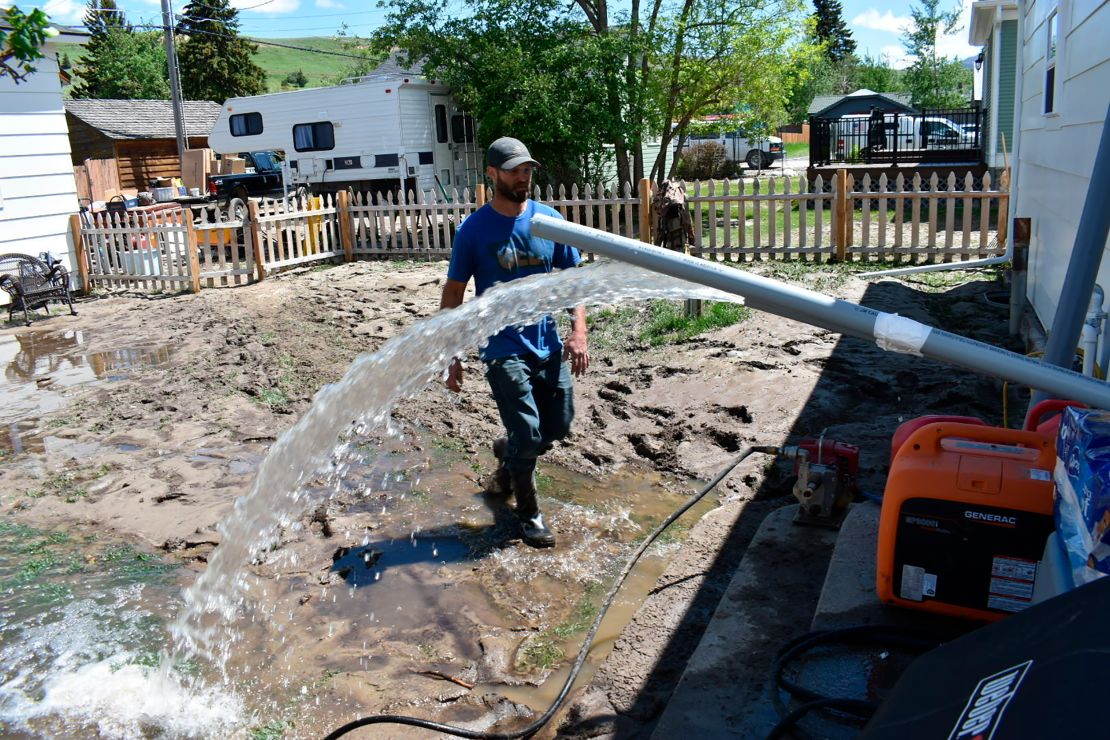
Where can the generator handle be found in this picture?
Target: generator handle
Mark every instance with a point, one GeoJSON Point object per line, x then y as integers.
{"type": "Point", "coordinates": [1048, 406]}
{"type": "Point", "coordinates": [1022, 444]}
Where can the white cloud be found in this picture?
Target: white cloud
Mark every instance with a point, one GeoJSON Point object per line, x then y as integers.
{"type": "Point", "coordinates": [876, 21]}
{"type": "Point", "coordinates": [328, 4]}
{"type": "Point", "coordinates": [270, 7]}
{"type": "Point", "coordinates": [65, 12]}
{"type": "Point", "coordinates": [953, 45]}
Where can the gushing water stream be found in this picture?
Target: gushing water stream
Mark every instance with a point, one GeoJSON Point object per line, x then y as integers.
{"type": "Point", "coordinates": [361, 402]}
{"type": "Point", "coordinates": [96, 678]}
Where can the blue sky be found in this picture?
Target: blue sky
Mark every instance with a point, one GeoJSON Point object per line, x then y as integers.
{"type": "Point", "coordinates": [876, 26]}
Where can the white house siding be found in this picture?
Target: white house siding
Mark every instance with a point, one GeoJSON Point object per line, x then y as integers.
{"type": "Point", "coordinates": [1056, 151]}
{"type": "Point", "coordinates": [37, 190]}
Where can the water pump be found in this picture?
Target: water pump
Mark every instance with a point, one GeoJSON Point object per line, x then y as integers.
{"type": "Point", "coordinates": [827, 480]}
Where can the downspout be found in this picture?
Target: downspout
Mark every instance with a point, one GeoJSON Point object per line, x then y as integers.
{"type": "Point", "coordinates": [889, 331]}
{"type": "Point", "coordinates": [1015, 148]}
{"type": "Point", "coordinates": [1091, 331]}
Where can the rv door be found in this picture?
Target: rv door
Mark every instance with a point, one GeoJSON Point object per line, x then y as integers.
{"type": "Point", "coordinates": [441, 146]}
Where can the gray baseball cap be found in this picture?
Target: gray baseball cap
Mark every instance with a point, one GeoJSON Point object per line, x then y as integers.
{"type": "Point", "coordinates": [508, 153]}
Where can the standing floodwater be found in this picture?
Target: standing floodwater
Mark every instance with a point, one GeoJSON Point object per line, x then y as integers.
{"type": "Point", "coordinates": [308, 462]}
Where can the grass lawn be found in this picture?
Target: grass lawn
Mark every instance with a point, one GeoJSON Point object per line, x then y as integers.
{"type": "Point", "coordinates": [797, 149]}
{"type": "Point", "coordinates": [719, 216]}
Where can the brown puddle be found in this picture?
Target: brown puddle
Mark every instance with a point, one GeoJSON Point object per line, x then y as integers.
{"type": "Point", "coordinates": [40, 365]}
{"type": "Point", "coordinates": [424, 574]}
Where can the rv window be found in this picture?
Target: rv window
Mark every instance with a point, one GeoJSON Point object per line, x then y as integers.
{"type": "Point", "coordinates": [313, 137]}
{"type": "Point", "coordinates": [441, 124]}
{"type": "Point", "coordinates": [245, 124]}
{"type": "Point", "coordinates": [462, 129]}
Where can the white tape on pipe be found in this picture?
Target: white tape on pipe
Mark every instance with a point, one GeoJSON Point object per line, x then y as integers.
{"type": "Point", "coordinates": [895, 333]}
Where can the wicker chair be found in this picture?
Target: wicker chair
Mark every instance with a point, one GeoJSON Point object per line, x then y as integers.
{"type": "Point", "coordinates": [32, 283]}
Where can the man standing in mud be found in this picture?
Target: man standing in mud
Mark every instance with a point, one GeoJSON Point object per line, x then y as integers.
{"type": "Point", "coordinates": [525, 365]}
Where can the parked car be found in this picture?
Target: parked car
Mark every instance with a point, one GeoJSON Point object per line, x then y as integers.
{"type": "Point", "coordinates": [755, 153]}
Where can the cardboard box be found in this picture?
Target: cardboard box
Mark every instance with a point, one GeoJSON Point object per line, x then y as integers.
{"type": "Point", "coordinates": [195, 168]}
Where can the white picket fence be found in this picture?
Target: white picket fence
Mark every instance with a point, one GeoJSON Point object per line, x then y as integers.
{"type": "Point", "coordinates": [741, 220]}
{"type": "Point", "coordinates": [900, 219]}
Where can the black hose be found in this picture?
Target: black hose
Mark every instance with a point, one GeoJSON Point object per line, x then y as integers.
{"type": "Point", "coordinates": [857, 709]}
{"type": "Point", "coordinates": [587, 642]}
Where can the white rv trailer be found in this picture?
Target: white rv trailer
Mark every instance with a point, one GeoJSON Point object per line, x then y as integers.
{"type": "Point", "coordinates": [372, 133]}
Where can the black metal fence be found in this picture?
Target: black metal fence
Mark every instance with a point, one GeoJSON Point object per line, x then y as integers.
{"type": "Point", "coordinates": [941, 135]}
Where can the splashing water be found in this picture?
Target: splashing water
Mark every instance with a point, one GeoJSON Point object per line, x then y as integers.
{"type": "Point", "coordinates": [362, 402]}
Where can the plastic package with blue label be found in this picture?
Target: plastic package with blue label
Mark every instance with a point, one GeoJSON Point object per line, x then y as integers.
{"type": "Point", "coordinates": [1082, 503]}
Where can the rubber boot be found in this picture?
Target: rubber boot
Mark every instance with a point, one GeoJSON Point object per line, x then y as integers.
{"type": "Point", "coordinates": [500, 483]}
{"type": "Point", "coordinates": [532, 527]}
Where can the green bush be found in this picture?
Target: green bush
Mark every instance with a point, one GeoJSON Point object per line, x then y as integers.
{"type": "Point", "coordinates": [703, 161]}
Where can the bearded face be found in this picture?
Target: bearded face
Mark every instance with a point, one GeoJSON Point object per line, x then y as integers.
{"type": "Point", "coordinates": [514, 184]}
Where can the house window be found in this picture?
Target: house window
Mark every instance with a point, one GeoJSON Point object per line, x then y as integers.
{"type": "Point", "coordinates": [441, 124]}
{"type": "Point", "coordinates": [245, 124]}
{"type": "Point", "coordinates": [313, 137]}
{"type": "Point", "coordinates": [1050, 65]}
{"type": "Point", "coordinates": [462, 129]}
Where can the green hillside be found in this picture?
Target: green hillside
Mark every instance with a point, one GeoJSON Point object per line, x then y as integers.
{"type": "Point", "coordinates": [320, 69]}
{"type": "Point", "coordinates": [278, 62]}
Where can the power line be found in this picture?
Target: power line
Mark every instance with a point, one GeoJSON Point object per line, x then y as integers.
{"type": "Point", "coordinates": [160, 27]}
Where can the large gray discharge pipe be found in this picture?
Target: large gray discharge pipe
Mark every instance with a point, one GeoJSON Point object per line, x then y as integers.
{"type": "Point", "coordinates": [889, 331]}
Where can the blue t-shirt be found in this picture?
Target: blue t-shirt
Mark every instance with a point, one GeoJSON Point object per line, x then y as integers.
{"type": "Point", "coordinates": [493, 248]}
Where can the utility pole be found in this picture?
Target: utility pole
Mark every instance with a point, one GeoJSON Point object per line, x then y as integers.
{"type": "Point", "coordinates": [175, 81]}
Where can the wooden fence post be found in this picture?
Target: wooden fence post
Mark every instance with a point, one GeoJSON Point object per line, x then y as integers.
{"type": "Point", "coordinates": [79, 249]}
{"type": "Point", "coordinates": [191, 246]}
{"type": "Point", "coordinates": [1003, 207]}
{"type": "Point", "coordinates": [346, 227]}
{"type": "Point", "coordinates": [843, 212]}
{"type": "Point", "coordinates": [645, 210]}
{"type": "Point", "coordinates": [480, 194]}
{"type": "Point", "coordinates": [254, 229]}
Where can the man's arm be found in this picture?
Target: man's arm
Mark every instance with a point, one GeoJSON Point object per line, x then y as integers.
{"type": "Point", "coordinates": [574, 349]}
{"type": "Point", "coordinates": [452, 297]}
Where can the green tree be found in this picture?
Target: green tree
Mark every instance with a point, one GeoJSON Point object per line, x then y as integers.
{"type": "Point", "coordinates": [215, 62]}
{"type": "Point", "coordinates": [832, 31]}
{"type": "Point", "coordinates": [587, 84]}
{"type": "Point", "coordinates": [131, 65]}
{"type": "Point", "coordinates": [119, 62]}
{"type": "Point", "coordinates": [21, 38]}
{"type": "Point", "coordinates": [932, 80]}
{"type": "Point", "coordinates": [295, 79]}
{"type": "Point", "coordinates": [875, 74]}
{"type": "Point", "coordinates": [729, 57]}
{"type": "Point", "coordinates": [527, 69]}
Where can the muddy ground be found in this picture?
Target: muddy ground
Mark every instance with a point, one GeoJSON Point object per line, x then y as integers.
{"type": "Point", "coordinates": [191, 390]}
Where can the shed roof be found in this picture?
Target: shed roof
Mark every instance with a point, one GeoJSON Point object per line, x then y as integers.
{"type": "Point", "coordinates": [143, 119]}
{"type": "Point", "coordinates": [822, 103]}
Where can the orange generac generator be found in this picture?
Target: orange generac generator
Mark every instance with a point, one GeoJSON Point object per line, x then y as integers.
{"type": "Point", "coordinates": [965, 516]}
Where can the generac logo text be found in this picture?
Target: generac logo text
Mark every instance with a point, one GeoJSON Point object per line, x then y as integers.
{"type": "Point", "coordinates": [987, 703]}
{"type": "Point", "coordinates": [984, 517]}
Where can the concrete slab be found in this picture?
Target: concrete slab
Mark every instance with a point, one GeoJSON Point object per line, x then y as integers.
{"type": "Point", "coordinates": [722, 692]}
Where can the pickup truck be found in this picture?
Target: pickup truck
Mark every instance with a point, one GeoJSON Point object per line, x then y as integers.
{"type": "Point", "coordinates": [262, 178]}
{"type": "Point", "coordinates": [756, 153]}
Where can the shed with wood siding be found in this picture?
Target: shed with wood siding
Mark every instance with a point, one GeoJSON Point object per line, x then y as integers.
{"type": "Point", "coordinates": [138, 134]}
